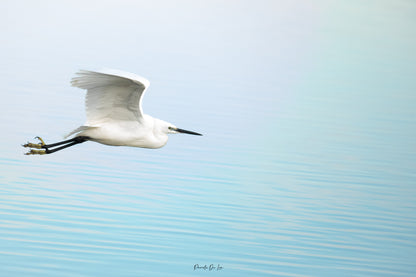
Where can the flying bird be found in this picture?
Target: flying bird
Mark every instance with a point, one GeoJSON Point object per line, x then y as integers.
{"type": "Point", "coordinates": [114, 114]}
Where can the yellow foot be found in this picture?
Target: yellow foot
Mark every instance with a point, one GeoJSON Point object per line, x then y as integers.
{"type": "Point", "coordinates": [36, 152]}
{"type": "Point", "coordinates": [35, 145]}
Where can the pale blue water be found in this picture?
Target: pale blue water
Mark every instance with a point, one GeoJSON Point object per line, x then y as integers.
{"type": "Point", "coordinates": [306, 166]}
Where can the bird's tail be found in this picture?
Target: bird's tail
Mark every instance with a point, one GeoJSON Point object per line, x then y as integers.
{"type": "Point", "coordinates": [77, 130]}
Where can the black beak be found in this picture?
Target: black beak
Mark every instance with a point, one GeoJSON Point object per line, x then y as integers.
{"type": "Point", "coordinates": [187, 132]}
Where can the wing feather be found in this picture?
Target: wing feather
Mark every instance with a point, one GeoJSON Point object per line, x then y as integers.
{"type": "Point", "coordinates": [111, 95]}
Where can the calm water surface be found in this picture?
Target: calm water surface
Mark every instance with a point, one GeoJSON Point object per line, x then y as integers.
{"type": "Point", "coordinates": [306, 166]}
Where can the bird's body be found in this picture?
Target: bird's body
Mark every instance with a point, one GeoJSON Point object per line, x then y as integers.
{"type": "Point", "coordinates": [114, 113]}
{"type": "Point", "coordinates": [146, 133]}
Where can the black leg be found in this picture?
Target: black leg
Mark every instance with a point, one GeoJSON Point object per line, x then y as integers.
{"type": "Point", "coordinates": [58, 143]}
{"type": "Point", "coordinates": [77, 140]}
{"type": "Point", "coordinates": [62, 147]}
{"type": "Point", "coordinates": [70, 142]}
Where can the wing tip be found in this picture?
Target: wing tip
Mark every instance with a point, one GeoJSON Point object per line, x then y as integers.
{"type": "Point", "coordinates": [84, 77]}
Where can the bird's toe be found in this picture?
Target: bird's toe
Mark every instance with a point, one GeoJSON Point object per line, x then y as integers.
{"type": "Point", "coordinates": [33, 145]}
{"type": "Point", "coordinates": [36, 152]}
{"type": "Point", "coordinates": [42, 143]}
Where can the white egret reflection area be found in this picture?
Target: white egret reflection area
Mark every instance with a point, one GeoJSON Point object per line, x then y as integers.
{"type": "Point", "coordinates": [306, 166]}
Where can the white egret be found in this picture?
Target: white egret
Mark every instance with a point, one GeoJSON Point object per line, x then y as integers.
{"type": "Point", "coordinates": [114, 114]}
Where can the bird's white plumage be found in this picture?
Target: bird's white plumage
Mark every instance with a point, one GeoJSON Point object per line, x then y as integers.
{"type": "Point", "coordinates": [114, 110]}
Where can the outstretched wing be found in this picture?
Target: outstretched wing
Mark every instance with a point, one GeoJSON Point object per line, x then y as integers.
{"type": "Point", "coordinates": [112, 95]}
